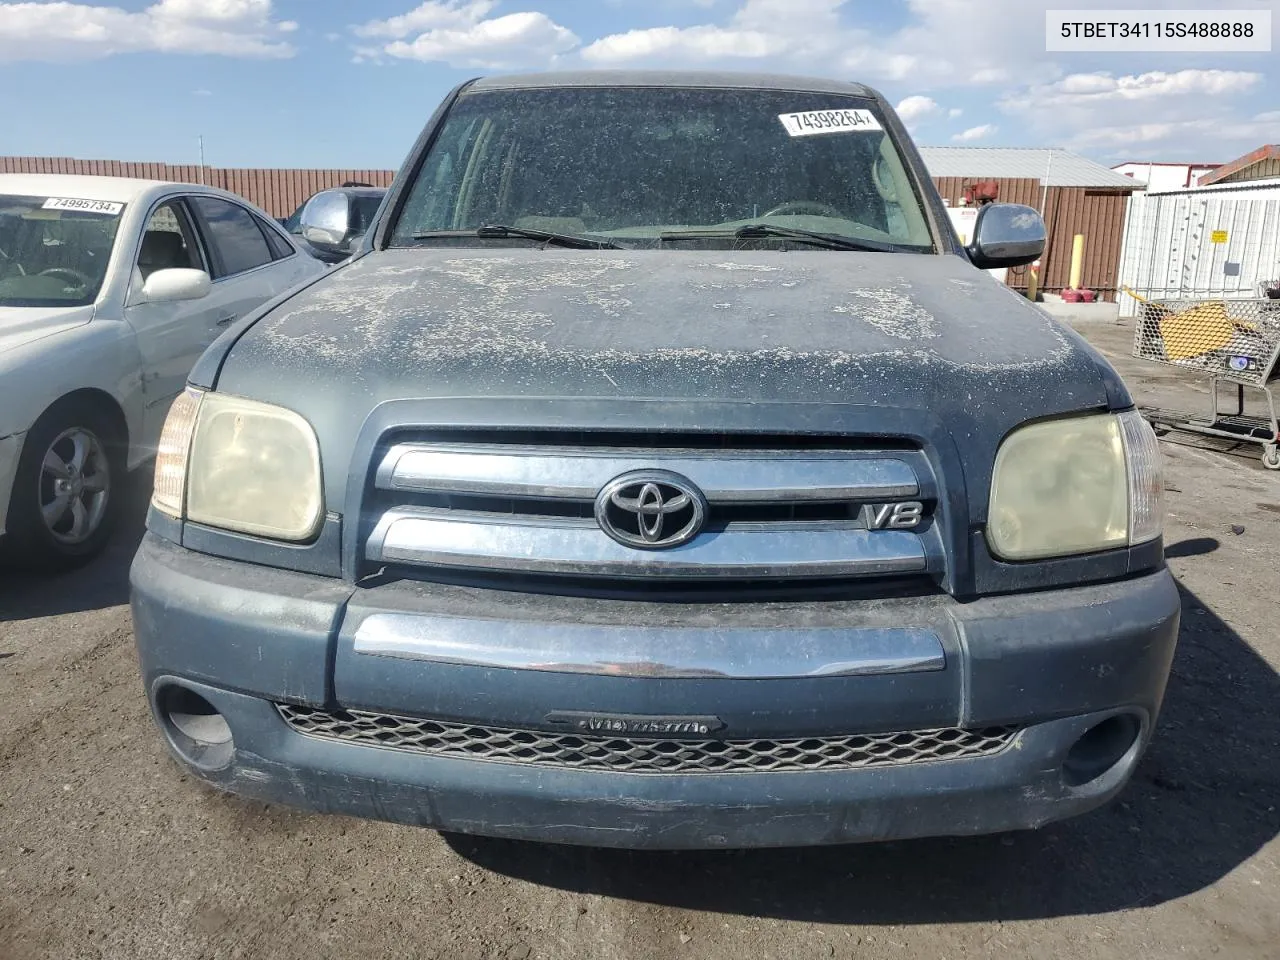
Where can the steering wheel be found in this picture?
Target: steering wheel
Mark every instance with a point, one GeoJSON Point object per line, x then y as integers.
{"type": "Point", "coordinates": [66, 273]}
{"type": "Point", "coordinates": [813, 207]}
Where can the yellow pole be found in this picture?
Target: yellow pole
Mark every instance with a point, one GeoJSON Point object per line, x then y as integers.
{"type": "Point", "coordinates": [1077, 260]}
{"type": "Point", "coordinates": [1033, 281]}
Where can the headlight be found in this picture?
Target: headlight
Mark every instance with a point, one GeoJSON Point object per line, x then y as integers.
{"type": "Point", "coordinates": [240, 465]}
{"type": "Point", "coordinates": [1078, 485]}
{"type": "Point", "coordinates": [168, 492]}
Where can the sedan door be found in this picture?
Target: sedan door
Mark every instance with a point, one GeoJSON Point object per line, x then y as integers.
{"type": "Point", "coordinates": [170, 336]}
{"type": "Point", "coordinates": [252, 260]}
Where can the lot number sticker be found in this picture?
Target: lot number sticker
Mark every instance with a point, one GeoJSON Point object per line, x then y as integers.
{"type": "Point", "coordinates": [107, 207]}
{"type": "Point", "coordinates": [1218, 236]}
{"type": "Point", "coordinates": [828, 121]}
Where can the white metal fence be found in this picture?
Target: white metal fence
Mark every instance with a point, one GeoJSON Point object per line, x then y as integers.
{"type": "Point", "coordinates": [1217, 243]}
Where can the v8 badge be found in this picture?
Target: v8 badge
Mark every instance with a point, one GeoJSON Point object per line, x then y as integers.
{"type": "Point", "coordinates": [892, 516]}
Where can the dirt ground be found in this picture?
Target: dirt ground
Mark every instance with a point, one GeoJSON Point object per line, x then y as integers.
{"type": "Point", "coordinates": [108, 851]}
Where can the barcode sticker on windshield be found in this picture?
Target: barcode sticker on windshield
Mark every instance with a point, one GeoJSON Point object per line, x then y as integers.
{"type": "Point", "coordinates": [108, 207]}
{"type": "Point", "coordinates": [828, 121]}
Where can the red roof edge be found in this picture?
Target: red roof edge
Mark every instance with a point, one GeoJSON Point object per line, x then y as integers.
{"type": "Point", "coordinates": [1162, 163]}
{"type": "Point", "coordinates": [1268, 151]}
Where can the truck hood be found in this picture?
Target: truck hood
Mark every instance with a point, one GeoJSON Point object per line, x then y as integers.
{"type": "Point", "coordinates": [926, 333]}
{"type": "Point", "coordinates": [22, 325]}
{"type": "Point", "coordinates": [751, 325]}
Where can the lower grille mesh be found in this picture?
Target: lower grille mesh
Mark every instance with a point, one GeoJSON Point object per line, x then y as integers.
{"type": "Point", "coordinates": [636, 755]}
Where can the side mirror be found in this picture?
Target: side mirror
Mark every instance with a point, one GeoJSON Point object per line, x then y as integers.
{"type": "Point", "coordinates": [174, 284]}
{"type": "Point", "coordinates": [1006, 235]}
{"type": "Point", "coordinates": [326, 221]}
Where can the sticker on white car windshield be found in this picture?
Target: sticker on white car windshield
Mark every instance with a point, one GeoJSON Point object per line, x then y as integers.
{"type": "Point", "coordinates": [828, 121]}
{"type": "Point", "coordinates": [107, 207]}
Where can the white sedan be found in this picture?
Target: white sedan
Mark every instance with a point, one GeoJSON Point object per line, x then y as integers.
{"type": "Point", "coordinates": [110, 289]}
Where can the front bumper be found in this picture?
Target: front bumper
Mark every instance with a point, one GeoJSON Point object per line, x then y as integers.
{"type": "Point", "coordinates": [10, 451]}
{"type": "Point", "coordinates": [1055, 664]}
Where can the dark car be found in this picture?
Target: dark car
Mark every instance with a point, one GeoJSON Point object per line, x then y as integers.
{"type": "Point", "coordinates": [660, 471]}
{"type": "Point", "coordinates": [363, 201]}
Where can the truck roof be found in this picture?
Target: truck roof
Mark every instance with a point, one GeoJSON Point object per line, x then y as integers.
{"type": "Point", "coordinates": [671, 78]}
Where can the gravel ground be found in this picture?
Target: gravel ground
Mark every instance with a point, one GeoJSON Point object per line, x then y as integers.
{"type": "Point", "coordinates": [107, 850]}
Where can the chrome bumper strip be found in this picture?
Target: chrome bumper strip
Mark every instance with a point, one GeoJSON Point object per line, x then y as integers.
{"type": "Point", "coordinates": [666, 652]}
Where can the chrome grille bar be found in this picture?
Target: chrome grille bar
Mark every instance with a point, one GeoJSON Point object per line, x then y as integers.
{"type": "Point", "coordinates": [579, 548]}
{"type": "Point", "coordinates": [724, 476]}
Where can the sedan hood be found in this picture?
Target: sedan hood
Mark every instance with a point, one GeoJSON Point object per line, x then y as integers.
{"type": "Point", "coordinates": [22, 325]}
{"type": "Point", "coordinates": [913, 332]}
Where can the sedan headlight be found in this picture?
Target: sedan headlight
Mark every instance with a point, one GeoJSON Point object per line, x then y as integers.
{"type": "Point", "coordinates": [241, 465]}
{"type": "Point", "coordinates": [1063, 487]}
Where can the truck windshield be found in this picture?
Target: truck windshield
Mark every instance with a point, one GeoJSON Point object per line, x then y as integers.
{"type": "Point", "coordinates": [54, 250]}
{"type": "Point", "coordinates": [639, 165]}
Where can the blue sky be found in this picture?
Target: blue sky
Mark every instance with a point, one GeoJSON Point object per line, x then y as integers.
{"type": "Point", "coordinates": [350, 83]}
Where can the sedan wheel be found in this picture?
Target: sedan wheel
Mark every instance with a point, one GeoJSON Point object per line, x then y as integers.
{"type": "Point", "coordinates": [67, 489]}
{"type": "Point", "coordinates": [75, 486]}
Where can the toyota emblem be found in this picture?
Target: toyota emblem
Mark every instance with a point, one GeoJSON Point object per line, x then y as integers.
{"type": "Point", "coordinates": [651, 509]}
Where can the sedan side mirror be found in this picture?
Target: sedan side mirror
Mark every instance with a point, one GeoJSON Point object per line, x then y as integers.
{"type": "Point", "coordinates": [175, 283]}
{"type": "Point", "coordinates": [1006, 235]}
{"type": "Point", "coordinates": [326, 221]}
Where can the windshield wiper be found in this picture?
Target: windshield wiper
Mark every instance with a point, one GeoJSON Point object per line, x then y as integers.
{"type": "Point", "coordinates": [500, 230]}
{"type": "Point", "coordinates": [752, 231]}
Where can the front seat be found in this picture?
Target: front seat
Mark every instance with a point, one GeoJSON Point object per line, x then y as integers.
{"type": "Point", "coordinates": [161, 250]}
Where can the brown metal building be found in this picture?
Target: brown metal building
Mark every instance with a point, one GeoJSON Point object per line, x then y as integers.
{"type": "Point", "coordinates": [1074, 194]}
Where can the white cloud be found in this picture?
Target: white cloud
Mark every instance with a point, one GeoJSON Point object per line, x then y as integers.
{"type": "Point", "coordinates": [916, 107]}
{"type": "Point", "coordinates": [663, 42]}
{"type": "Point", "coordinates": [988, 75]}
{"type": "Point", "coordinates": [1179, 114]}
{"type": "Point", "coordinates": [432, 15]}
{"type": "Point", "coordinates": [950, 43]}
{"type": "Point", "coordinates": [461, 34]}
{"type": "Point", "coordinates": [1182, 138]}
{"type": "Point", "coordinates": [783, 29]}
{"type": "Point", "coordinates": [945, 43]}
{"type": "Point", "coordinates": [496, 44]}
{"type": "Point", "coordinates": [67, 31]}
{"type": "Point", "coordinates": [975, 133]}
{"type": "Point", "coordinates": [1086, 89]}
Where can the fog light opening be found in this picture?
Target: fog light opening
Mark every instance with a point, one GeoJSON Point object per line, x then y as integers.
{"type": "Point", "coordinates": [1100, 748]}
{"type": "Point", "coordinates": [196, 730]}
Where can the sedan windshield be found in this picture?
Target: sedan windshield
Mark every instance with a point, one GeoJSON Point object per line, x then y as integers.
{"type": "Point", "coordinates": [54, 250]}
{"type": "Point", "coordinates": [642, 165]}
